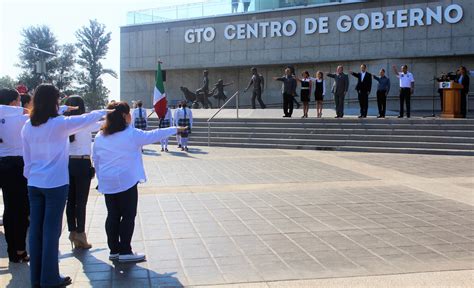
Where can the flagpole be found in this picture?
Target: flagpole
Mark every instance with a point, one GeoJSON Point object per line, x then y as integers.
{"type": "Point", "coordinates": [153, 110]}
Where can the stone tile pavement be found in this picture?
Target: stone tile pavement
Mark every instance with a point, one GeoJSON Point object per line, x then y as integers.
{"type": "Point", "coordinates": [229, 216]}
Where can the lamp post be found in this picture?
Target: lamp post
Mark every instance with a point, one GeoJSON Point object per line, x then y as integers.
{"type": "Point", "coordinates": [41, 64]}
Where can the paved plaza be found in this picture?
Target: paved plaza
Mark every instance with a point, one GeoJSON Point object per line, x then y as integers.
{"type": "Point", "coordinates": [283, 218]}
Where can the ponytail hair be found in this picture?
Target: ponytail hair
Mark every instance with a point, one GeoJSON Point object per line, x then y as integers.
{"type": "Point", "coordinates": [115, 120]}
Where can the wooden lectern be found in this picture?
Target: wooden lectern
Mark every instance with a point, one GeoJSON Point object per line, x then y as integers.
{"type": "Point", "coordinates": [451, 99]}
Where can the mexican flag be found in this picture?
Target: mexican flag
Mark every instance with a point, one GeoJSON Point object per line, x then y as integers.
{"type": "Point", "coordinates": [159, 95]}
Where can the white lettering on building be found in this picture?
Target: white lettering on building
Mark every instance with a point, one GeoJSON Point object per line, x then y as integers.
{"type": "Point", "coordinates": [390, 19]}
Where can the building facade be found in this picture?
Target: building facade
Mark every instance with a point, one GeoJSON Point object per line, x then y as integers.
{"type": "Point", "coordinates": [431, 37]}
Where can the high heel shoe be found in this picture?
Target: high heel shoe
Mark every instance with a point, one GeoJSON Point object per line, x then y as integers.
{"type": "Point", "coordinates": [20, 258]}
{"type": "Point", "coordinates": [81, 241]}
{"type": "Point", "coordinates": [72, 238]}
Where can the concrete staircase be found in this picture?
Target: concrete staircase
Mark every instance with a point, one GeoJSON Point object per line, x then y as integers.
{"type": "Point", "coordinates": [415, 135]}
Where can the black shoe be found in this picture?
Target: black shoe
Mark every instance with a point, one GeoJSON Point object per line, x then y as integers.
{"type": "Point", "coordinates": [66, 281]}
{"type": "Point", "coordinates": [408, 116]}
{"type": "Point", "coordinates": [400, 116]}
{"type": "Point", "coordinates": [20, 258]}
{"type": "Point", "coordinates": [179, 146]}
{"type": "Point", "coordinates": [360, 116]}
{"type": "Point", "coordinates": [166, 149]}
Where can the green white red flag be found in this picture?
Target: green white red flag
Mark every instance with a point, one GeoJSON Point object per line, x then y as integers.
{"type": "Point", "coordinates": [159, 96]}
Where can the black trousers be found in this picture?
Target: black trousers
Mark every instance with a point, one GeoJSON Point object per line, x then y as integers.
{"type": "Point", "coordinates": [257, 94]}
{"type": "Point", "coordinates": [382, 102]}
{"type": "Point", "coordinates": [463, 104]}
{"type": "Point", "coordinates": [15, 200]}
{"type": "Point", "coordinates": [80, 174]}
{"type": "Point", "coordinates": [405, 95]}
{"type": "Point", "coordinates": [287, 104]}
{"type": "Point", "coordinates": [120, 223]}
{"type": "Point", "coordinates": [440, 91]}
{"type": "Point", "coordinates": [363, 102]}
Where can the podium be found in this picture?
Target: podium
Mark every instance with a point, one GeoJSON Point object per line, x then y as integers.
{"type": "Point", "coordinates": [451, 99]}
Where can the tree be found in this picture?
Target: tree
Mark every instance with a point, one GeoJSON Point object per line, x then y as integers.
{"type": "Point", "coordinates": [59, 67]}
{"type": "Point", "coordinates": [7, 82]}
{"type": "Point", "coordinates": [43, 38]}
{"type": "Point", "coordinates": [64, 73]}
{"type": "Point", "coordinates": [93, 47]}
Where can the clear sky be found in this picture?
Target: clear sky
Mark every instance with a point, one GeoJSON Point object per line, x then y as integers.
{"type": "Point", "coordinates": [64, 17]}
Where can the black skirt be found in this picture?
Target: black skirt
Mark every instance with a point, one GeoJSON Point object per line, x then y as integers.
{"type": "Point", "coordinates": [318, 91]}
{"type": "Point", "coordinates": [304, 95]}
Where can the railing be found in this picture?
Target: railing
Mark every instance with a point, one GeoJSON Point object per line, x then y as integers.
{"type": "Point", "coordinates": [236, 96]}
{"type": "Point", "coordinates": [210, 8]}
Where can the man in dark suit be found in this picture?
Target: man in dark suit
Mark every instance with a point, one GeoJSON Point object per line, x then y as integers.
{"type": "Point", "coordinates": [363, 88]}
{"type": "Point", "coordinates": [464, 80]}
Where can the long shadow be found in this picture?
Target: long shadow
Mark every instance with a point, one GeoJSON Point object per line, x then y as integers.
{"type": "Point", "coordinates": [20, 272]}
{"type": "Point", "coordinates": [150, 152]}
{"type": "Point", "coordinates": [99, 272]}
{"type": "Point", "coordinates": [181, 154]}
{"type": "Point", "coordinates": [197, 151]}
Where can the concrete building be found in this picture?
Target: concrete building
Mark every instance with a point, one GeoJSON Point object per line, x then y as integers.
{"type": "Point", "coordinates": [430, 36]}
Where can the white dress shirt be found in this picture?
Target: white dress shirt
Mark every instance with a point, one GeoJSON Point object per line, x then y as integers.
{"type": "Point", "coordinates": [12, 120]}
{"type": "Point", "coordinates": [179, 114]}
{"type": "Point", "coordinates": [118, 157]}
{"type": "Point", "coordinates": [313, 85]}
{"type": "Point", "coordinates": [175, 117]}
{"type": "Point", "coordinates": [136, 114]}
{"type": "Point", "coordinates": [82, 144]}
{"type": "Point", "coordinates": [362, 76]}
{"type": "Point", "coordinates": [405, 79]}
{"type": "Point", "coordinates": [7, 110]}
{"type": "Point", "coordinates": [46, 148]}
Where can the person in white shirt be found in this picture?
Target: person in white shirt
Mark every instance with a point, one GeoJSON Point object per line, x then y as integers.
{"type": "Point", "coordinates": [306, 86]}
{"type": "Point", "coordinates": [45, 139]}
{"type": "Point", "coordinates": [175, 123]}
{"type": "Point", "coordinates": [184, 118]}
{"type": "Point", "coordinates": [407, 88]}
{"type": "Point", "coordinates": [81, 173]}
{"type": "Point", "coordinates": [165, 123]}
{"type": "Point", "coordinates": [12, 182]}
{"type": "Point", "coordinates": [117, 158]}
{"type": "Point", "coordinates": [139, 117]}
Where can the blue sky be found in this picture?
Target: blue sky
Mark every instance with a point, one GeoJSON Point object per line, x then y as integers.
{"type": "Point", "coordinates": [64, 17]}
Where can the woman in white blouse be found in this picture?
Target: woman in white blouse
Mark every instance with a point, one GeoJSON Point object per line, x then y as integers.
{"type": "Point", "coordinates": [45, 140]}
{"type": "Point", "coordinates": [117, 158]}
{"type": "Point", "coordinates": [12, 181]}
{"type": "Point", "coordinates": [80, 175]}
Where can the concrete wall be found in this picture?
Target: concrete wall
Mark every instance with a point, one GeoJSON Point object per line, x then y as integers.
{"type": "Point", "coordinates": [428, 50]}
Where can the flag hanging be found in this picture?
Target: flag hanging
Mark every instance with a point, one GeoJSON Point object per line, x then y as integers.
{"type": "Point", "coordinates": [159, 95]}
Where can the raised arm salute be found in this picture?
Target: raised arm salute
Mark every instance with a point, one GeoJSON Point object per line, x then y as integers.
{"type": "Point", "coordinates": [12, 181]}
{"type": "Point", "coordinates": [407, 88]}
{"type": "Point", "coordinates": [119, 166]}
{"type": "Point", "coordinates": [383, 88]}
{"type": "Point", "coordinates": [45, 139]}
{"type": "Point", "coordinates": [288, 90]}
{"type": "Point", "coordinates": [339, 89]}
{"type": "Point", "coordinates": [363, 88]}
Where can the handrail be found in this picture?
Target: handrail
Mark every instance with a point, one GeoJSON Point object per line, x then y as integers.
{"type": "Point", "coordinates": [223, 105]}
{"type": "Point", "coordinates": [236, 95]}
